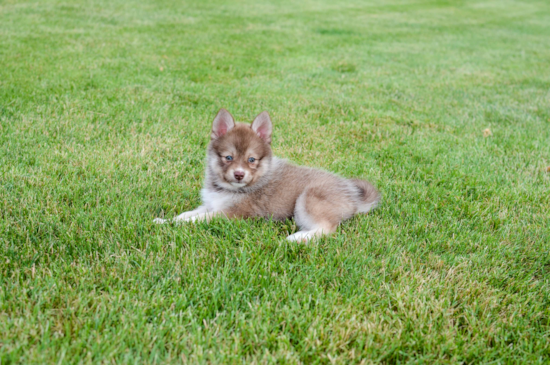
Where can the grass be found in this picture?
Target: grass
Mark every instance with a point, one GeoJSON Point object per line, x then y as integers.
{"type": "Point", "coordinates": [105, 110]}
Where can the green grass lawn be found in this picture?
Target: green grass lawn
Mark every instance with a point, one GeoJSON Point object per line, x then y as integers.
{"type": "Point", "coordinates": [105, 112]}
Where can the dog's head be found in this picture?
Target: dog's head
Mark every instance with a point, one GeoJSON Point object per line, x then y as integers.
{"type": "Point", "coordinates": [239, 154]}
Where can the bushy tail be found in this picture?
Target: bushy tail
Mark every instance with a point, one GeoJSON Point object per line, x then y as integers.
{"type": "Point", "coordinates": [368, 195]}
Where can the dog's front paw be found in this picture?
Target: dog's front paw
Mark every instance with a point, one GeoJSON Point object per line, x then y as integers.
{"type": "Point", "coordinates": [192, 219]}
{"type": "Point", "coordinates": [185, 220]}
{"type": "Point", "coordinates": [160, 220]}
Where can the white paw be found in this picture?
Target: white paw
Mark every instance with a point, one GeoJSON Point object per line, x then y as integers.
{"type": "Point", "coordinates": [300, 236]}
{"type": "Point", "coordinates": [179, 221]}
{"type": "Point", "coordinates": [183, 220]}
{"type": "Point", "coordinates": [160, 220]}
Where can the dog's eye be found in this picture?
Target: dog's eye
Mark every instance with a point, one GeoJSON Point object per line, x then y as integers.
{"type": "Point", "coordinates": [229, 158]}
{"type": "Point", "coordinates": [251, 159]}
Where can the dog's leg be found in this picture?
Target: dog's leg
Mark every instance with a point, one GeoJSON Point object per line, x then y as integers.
{"type": "Point", "coordinates": [204, 217]}
{"type": "Point", "coordinates": [304, 236]}
{"type": "Point", "coordinates": [318, 212]}
{"type": "Point", "coordinates": [183, 216]}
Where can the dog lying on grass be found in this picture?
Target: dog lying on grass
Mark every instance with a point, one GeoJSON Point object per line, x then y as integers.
{"type": "Point", "coordinates": [244, 179]}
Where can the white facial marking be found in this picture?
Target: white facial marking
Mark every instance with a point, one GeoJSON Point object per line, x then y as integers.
{"type": "Point", "coordinates": [238, 185]}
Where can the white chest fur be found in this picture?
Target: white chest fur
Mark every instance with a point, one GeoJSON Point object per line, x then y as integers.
{"type": "Point", "coordinates": [215, 201]}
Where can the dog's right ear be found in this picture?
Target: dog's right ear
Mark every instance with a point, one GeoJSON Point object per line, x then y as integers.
{"type": "Point", "coordinates": [262, 126]}
{"type": "Point", "coordinates": [222, 124]}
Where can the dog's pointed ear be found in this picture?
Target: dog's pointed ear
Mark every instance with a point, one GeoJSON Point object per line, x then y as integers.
{"type": "Point", "coordinates": [222, 124]}
{"type": "Point", "coordinates": [262, 126]}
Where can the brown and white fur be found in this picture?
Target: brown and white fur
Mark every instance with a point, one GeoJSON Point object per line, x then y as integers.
{"type": "Point", "coordinates": [244, 179]}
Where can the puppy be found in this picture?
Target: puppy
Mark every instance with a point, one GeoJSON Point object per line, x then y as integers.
{"type": "Point", "coordinates": [244, 179]}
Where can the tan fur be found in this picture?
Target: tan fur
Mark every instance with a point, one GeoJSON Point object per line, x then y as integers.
{"type": "Point", "coordinates": [271, 187]}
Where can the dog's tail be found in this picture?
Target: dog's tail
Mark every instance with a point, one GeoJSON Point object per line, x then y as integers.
{"type": "Point", "coordinates": [369, 197]}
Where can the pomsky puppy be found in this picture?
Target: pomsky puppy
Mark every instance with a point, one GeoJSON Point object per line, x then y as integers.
{"type": "Point", "coordinates": [244, 179]}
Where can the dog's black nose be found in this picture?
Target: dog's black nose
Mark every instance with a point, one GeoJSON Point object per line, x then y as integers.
{"type": "Point", "coordinates": [239, 175]}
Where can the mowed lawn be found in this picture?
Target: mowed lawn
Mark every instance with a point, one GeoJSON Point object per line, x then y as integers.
{"type": "Point", "coordinates": [105, 112]}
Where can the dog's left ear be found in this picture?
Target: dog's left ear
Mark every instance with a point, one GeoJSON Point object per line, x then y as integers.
{"type": "Point", "coordinates": [262, 126]}
{"type": "Point", "coordinates": [222, 124]}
